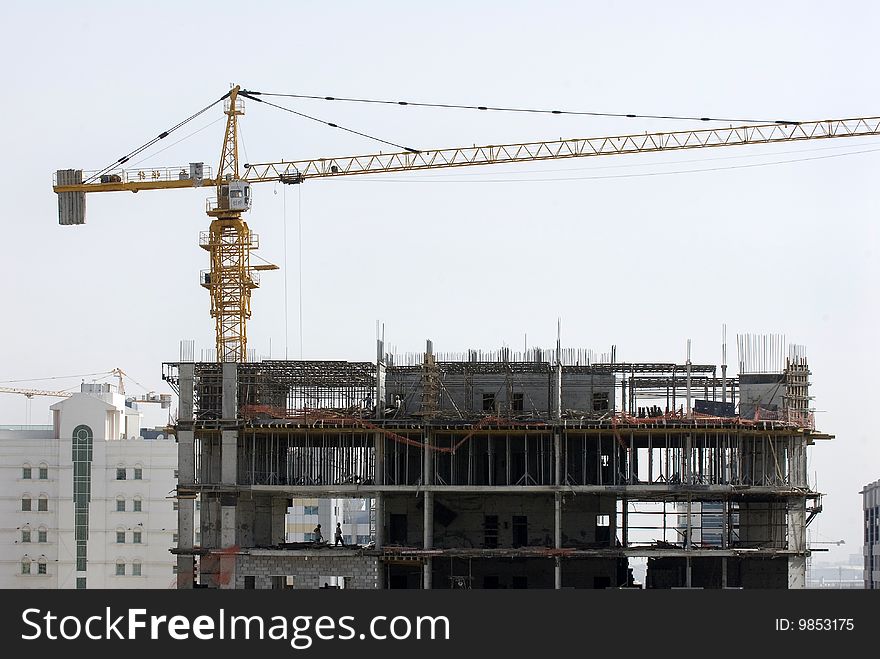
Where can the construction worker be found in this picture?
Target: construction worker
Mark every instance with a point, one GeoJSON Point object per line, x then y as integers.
{"type": "Point", "coordinates": [317, 535]}
{"type": "Point", "coordinates": [339, 537]}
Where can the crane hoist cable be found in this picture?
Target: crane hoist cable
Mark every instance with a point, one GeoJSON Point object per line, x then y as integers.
{"type": "Point", "coordinates": [455, 106]}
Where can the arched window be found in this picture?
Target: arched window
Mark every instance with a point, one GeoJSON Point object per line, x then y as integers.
{"type": "Point", "coordinates": [43, 503]}
{"type": "Point", "coordinates": [26, 472]}
{"type": "Point", "coordinates": [26, 502]}
{"type": "Point", "coordinates": [120, 472]}
{"type": "Point", "coordinates": [25, 565]}
{"type": "Point", "coordinates": [137, 504]}
{"type": "Point", "coordinates": [120, 503]}
{"type": "Point", "coordinates": [120, 535]}
{"type": "Point", "coordinates": [25, 534]}
{"type": "Point", "coordinates": [136, 569]}
{"type": "Point", "coordinates": [41, 565]}
{"type": "Point", "coordinates": [120, 568]}
{"type": "Point", "coordinates": [42, 534]}
{"type": "Point", "coordinates": [138, 472]}
{"type": "Point", "coordinates": [43, 471]}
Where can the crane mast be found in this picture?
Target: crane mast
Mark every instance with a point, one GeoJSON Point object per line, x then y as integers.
{"type": "Point", "coordinates": [229, 242]}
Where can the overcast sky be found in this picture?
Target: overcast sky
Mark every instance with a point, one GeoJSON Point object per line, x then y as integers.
{"type": "Point", "coordinates": [642, 252]}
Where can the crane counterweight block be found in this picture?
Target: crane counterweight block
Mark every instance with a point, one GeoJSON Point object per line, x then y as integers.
{"type": "Point", "coordinates": [71, 205]}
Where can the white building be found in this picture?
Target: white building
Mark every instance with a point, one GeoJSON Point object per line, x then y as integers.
{"type": "Point", "coordinates": [87, 502]}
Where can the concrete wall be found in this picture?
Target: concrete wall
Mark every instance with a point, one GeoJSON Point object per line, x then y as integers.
{"type": "Point", "coordinates": [308, 567]}
{"type": "Point", "coordinates": [536, 390]}
{"type": "Point", "coordinates": [764, 389]}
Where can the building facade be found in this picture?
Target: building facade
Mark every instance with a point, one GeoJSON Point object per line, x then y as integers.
{"type": "Point", "coordinates": [871, 507]}
{"type": "Point", "coordinates": [496, 471]}
{"type": "Point", "coordinates": [87, 502]}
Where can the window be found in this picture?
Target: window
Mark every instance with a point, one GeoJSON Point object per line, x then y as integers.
{"type": "Point", "coordinates": [176, 474]}
{"type": "Point", "coordinates": [198, 537]}
{"type": "Point", "coordinates": [198, 504]}
{"type": "Point", "coordinates": [175, 538]}
{"type": "Point", "coordinates": [308, 537]}
{"type": "Point", "coordinates": [600, 401]}
{"type": "Point", "coordinates": [137, 505]}
{"type": "Point", "coordinates": [80, 583]}
{"type": "Point", "coordinates": [41, 566]}
{"type": "Point", "coordinates": [490, 531]}
{"type": "Point", "coordinates": [363, 539]}
{"type": "Point", "coordinates": [25, 566]}
{"type": "Point", "coordinates": [136, 569]}
{"type": "Point", "coordinates": [138, 473]}
{"type": "Point", "coordinates": [26, 472]}
{"type": "Point", "coordinates": [136, 537]}
{"type": "Point", "coordinates": [44, 472]}
{"type": "Point", "coordinates": [517, 403]}
{"type": "Point", "coordinates": [175, 505]}
{"type": "Point", "coordinates": [120, 504]}
{"type": "Point", "coordinates": [120, 537]}
{"type": "Point", "coordinates": [120, 473]}
{"type": "Point", "coordinates": [42, 535]}
{"type": "Point", "coordinates": [25, 535]}
{"type": "Point", "coordinates": [174, 569]}
{"type": "Point", "coordinates": [25, 503]}
{"type": "Point", "coordinates": [488, 402]}
{"type": "Point", "coordinates": [250, 582]}
{"type": "Point", "coordinates": [43, 503]}
{"type": "Point", "coordinates": [120, 569]}
{"type": "Point", "coordinates": [310, 510]}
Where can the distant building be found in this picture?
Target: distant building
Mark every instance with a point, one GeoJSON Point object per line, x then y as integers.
{"type": "Point", "coordinates": [87, 501]}
{"type": "Point", "coordinates": [871, 505]}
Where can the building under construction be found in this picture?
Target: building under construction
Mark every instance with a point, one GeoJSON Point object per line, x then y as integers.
{"type": "Point", "coordinates": [543, 469]}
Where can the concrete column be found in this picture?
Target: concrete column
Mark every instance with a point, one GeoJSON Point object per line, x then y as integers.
{"type": "Point", "coordinates": [227, 523]}
{"type": "Point", "coordinates": [687, 573]}
{"type": "Point", "coordinates": [279, 514]}
{"type": "Point", "coordinates": [186, 377]}
{"type": "Point", "coordinates": [724, 572]}
{"type": "Point", "coordinates": [228, 457]}
{"type": "Point", "coordinates": [379, 461]}
{"type": "Point", "coordinates": [797, 541]}
{"type": "Point", "coordinates": [186, 463]}
{"type": "Point", "coordinates": [428, 530]}
{"type": "Point", "coordinates": [557, 527]}
{"type": "Point", "coordinates": [228, 540]}
{"type": "Point", "coordinates": [185, 510]}
{"type": "Point", "coordinates": [428, 538]}
{"type": "Point", "coordinates": [230, 391]}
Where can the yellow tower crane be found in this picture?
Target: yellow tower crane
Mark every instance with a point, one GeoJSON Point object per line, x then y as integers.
{"type": "Point", "coordinates": [229, 241]}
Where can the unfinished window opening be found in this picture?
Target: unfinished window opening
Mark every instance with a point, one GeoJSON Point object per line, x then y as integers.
{"type": "Point", "coordinates": [520, 582]}
{"type": "Point", "coordinates": [250, 582]}
{"type": "Point", "coordinates": [603, 528]}
{"type": "Point", "coordinates": [600, 401]}
{"type": "Point", "coordinates": [282, 582]}
{"type": "Point", "coordinates": [519, 526]}
{"type": "Point", "coordinates": [517, 402]}
{"type": "Point", "coordinates": [337, 582]}
{"type": "Point", "coordinates": [489, 402]}
{"type": "Point", "coordinates": [490, 531]}
{"type": "Point", "coordinates": [397, 532]}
